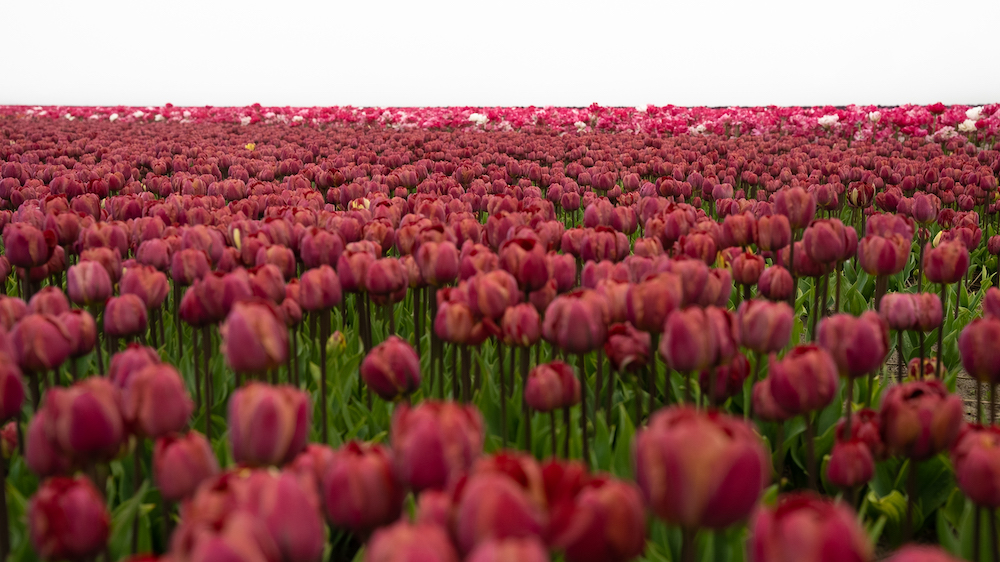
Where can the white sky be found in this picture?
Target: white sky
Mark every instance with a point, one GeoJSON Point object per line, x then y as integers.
{"type": "Point", "coordinates": [512, 53]}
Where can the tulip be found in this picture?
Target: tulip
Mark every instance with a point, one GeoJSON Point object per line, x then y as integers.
{"type": "Point", "coordinates": [155, 401]}
{"type": "Point", "coordinates": [290, 512]}
{"type": "Point", "coordinates": [67, 519]}
{"type": "Point", "coordinates": [48, 300]}
{"type": "Point", "coordinates": [858, 345]}
{"type": "Point", "coordinates": [26, 246]}
{"type": "Point", "coordinates": [928, 311]}
{"type": "Point", "coordinates": [479, 516]}
{"type": "Point", "coordinates": [851, 464]}
{"type": "Point", "coordinates": [899, 310]}
{"type": "Point", "coordinates": [980, 353]}
{"type": "Point", "coordinates": [765, 406]}
{"type": "Point", "coordinates": [406, 542]}
{"type": "Point", "coordinates": [881, 256]}
{"type": "Point", "coordinates": [12, 310]}
{"type": "Point", "coordinates": [85, 420]}
{"type": "Point", "coordinates": [42, 453]}
{"type": "Point", "coordinates": [267, 282]}
{"type": "Point", "coordinates": [386, 276]}
{"type": "Point", "coordinates": [239, 535]}
{"type": "Point", "coordinates": [627, 348]}
{"type": "Point", "coordinates": [359, 488]}
{"type": "Point", "coordinates": [434, 507]}
{"type": "Point", "coordinates": [773, 233]}
{"type": "Point", "coordinates": [254, 337]}
{"type": "Point", "coordinates": [88, 283]}
{"type": "Point", "coordinates": [188, 265]}
{"type": "Point", "coordinates": [147, 283]}
{"type": "Point", "coordinates": [605, 522]}
{"type": "Point", "coordinates": [125, 316]}
{"type": "Point", "coordinates": [764, 327]}
{"type": "Point", "coordinates": [391, 369]}
{"type": "Point", "coordinates": [804, 380]}
{"type": "Point", "coordinates": [181, 463]}
{"type": "Point", "coordinates": [650, 303]}
{"type": "Point", "coordinates": [797, 204]}
{"type": "Point", "coordinates": [352, 268]}
{"type": "Point", "coordinates": [729, 379]}
{"type": "Point", "coordinates": [434, 443]}
{"type": "Point", "coordinates": [40, 343]}
{"type": "Point", "coordinates": [438, 262]}
{"type": "Point", "coordinates": [689, 341]}
{"type": "Point", "coordinates": [133, 359]}
{"type": "Point", "coordinates": [747, 269]}
{"type": "Point", "coordinates": [525, 259]}
{"type": "Point", "coordinates": [81, 328]}
{"type": "Point", "coordinates": [806, 527]}
{"type": "Point", "coordinates": [946, 263]}
{"type": "Point", "coordinates": [976, 458]}
{"type": "Point", "coordinates": [521, 326]}
{"type": "Point", "coordinates": [110, 260]}
{"type": "Point", "coordinates": [320, 247]}
{"type": "Point", "coordinates": [921, 554]}
{"type": "Point", "coordinates": [825, 241]}
{"type": "Point", "coordinates": [552, 386]}
{"type": "Point", "coordinates": [11, 391]}
{"type": "Point", "coordinates": [775, 283]}
{"type": "Point", "coordinates": [699, 469]}
{"type": "Point", "coordinates": [155, 253]}
{"type": "Point", "coordinates": [509, 550]}
{"type": "Point", "coordinates": [490, 294]}
{"type": "Point", "coordinates": [575, 321]}
{"type": "Point", "coordinates": [865, 429]}
{"type": "Point", "coordinates": [319, 289]}
{"type": "Point", "coordinates": [268, 424]}
{"type": "Point", "coordinates": [920, 419]}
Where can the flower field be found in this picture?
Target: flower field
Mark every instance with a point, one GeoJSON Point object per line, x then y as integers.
{"type": "Point", "coordinates": [500, 334]}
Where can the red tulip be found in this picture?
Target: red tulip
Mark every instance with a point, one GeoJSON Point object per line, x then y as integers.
{"type": "Point", "coordinates": [88, 283]}
{"type": "Point", "coordinates": [494, 507]}
{"type": "Point", "coordinates": [775, 283]}
{"type": "Point", "coordinates": [920, 419]}
{"type": "Point", "coordinates": [851, 464]}
{"type": "Point", "coordinates": [552, 386]}
{"type": "Point", "coordinates": [268, 424]}
{"type": "Point", "coordinates": [155, 401]}
{"type": "Point", "coordinates": [604, 522]}
{"type": "Point", "coordinates": [125, 316]}
{"type": "Point", "coordinates": [575, 321]}
{"type": "Point", "coordinates": [627, 348]}
{"type": "Point", "coordinates": [650, 303]}
{"type": "Point", "coordinates": [764, 327]}
{"type": "Point", "coordinates": [405, 542]}
{"type": "Point", "coordinates": [858, 345]}
{"type": "Point", "coordinates": [181, 463]}
{"type": "Point", "coordinates": [946, 263]}
{"type": "Point", "coordinates": [434, 443]}
{"type": "Point", "coordinates": [40, 343]}
{"type": "Point", "coordinates": [48, 300]}
{"type": "Point", "coordinates": [360, 490]}
{"type": "Point", "coordinates": [67, 519]}
{"type": "Point", "coordinates": [978, 346]}
{"type": "Point", "coordinates": [392, 368]}
{"type": "Point", "coordinates": [147, 283]}
{"type": "Point", "coordinates": [81, 329]}
{"type": "Point", "coordinates": [85, 420]}
{"type": "Point", "coordinates": [804, 527]}
{"type": "Point", "coordinates": [804, 380]}
{"type": "Point", "coordinates": [976, 457]}
{"type": "Point", "coordinates": [319, 289]}
{"type": "Point", "coordinates": [254, 337]}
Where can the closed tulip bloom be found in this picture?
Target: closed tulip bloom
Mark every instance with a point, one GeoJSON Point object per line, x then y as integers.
{"type": "Point", "coordinates": [240, 535]}
{"type": "Point", "coordinates": [627, 348]}
{"type": "Point", "coordinates": [11, 390]}
{"type": "Point", "coordinates": [438, 262]}
{"type": "Point", "coordinates": [494, 507]}
{"type": "Point", "coordinates": [804, 380]}
{"type": "Point", "coordinates": [188, 265]}
{"type": "Point", "coordinates": [775, 283]}
{"type": "Point", "coordinates": [803, 527]}
{"type": "Point", "coordinates": [729, 379]}
{"type": "Point", "coordinates": [575, 321]}
{"type": "Point", "coordinates": [739, 230]}
{"type": "Point", "coordinates": [552, 386]}
{"type": "Point", "coordinates": [765, 406]}
{"type": "Point", "coordinates": [858, 345]}
{"type": "Point", "coordinates": [48, 300]}
{"type": "Point", "coordinates": [525, 259]}
{"type": "Point", "coordinates": [978, 346]}
{"type": "Point", "coordinates": [764, 327]}
{"type": "Point", "coordinates": [604, 523]}
{"type": "Point", "coordinates": [687, 343]}
{"type": "Point", "coordinates": [289, 509]}
{"type": "Point", "coordinates": [39, 343]}
{"type": "Point", "coordinates": [976, 457]}
{"type": "Point", "coordinates": [562, 268]}
{"type": "Point", "coordinates": [85, 420]}
{"type": "Point", "coordinates": [899, 311]}
{"type": "Point", "coordinates": [747, 268]}
{"type": "Point", "coordinates": [181, 463]}
{"type": "Point", "coordinates": [521, 326]}
{"type": "Point", "coordinates": [254, 337]}
{"type": "Point", "coordinates": [352, 268]}
{"type": "Point", "coordinates": [125, 316]}
{"type": "Point", "coordinates": [386, 276]}
{"type": "Point", "coordinates": [155, 401]}
{"type": "Point", "coordinates": [434, 443]}
{"type": "Point", "coordinates": [155, 253]}
{"type": "Point", "coordinates": [490, 294]}
{"type": "Point", "coordinates": [26, 246]}
{"type": "Point", "coordinates": [509, 550]}
{"type": "Point", "coordinates": [147, 283]}
{"type": "Point", "coordinates": [922, 553]}
{"type": "Point", "coordinates": [434, 507]}
{"type": "Point", "coordinates": [700, 469]}
{"type": "Point", "coordinates": [454, 322]}
{"type": "Point", "coordinates": [12, 310]}
{"type": "Point", "coordinates": [67, 519]}
{"type": "Point", "coordinates": [130, 361]}
{"type": "Point", "coordinates": [880, 255]}
{"type": "Point", "coordinates": [407, 542]}
{"type": "Point", "coordinates": [391, 369]}
{"type": "Point", "coordinates": [88, 283]}
{"type": "Point", "coordinates": [81, 329]}
{"type": "Point", "coordinates": [774, 232]}
{"type": "Point", "coordinates": [648, 304]}
{"type": "Point", "coordinates": [825, 241]}
{"type": "Point", "coordinates": [797, 204]}
{"type": "Point", "coordinates": [991, 302]}
{"type": "Point", "coordinates": [278, 255]}
{"type": "Point", "coordinates": [928, 311]}
{"type": "Point", "coordinates": [319, 289]}
{"type": "Point", "coordinates": [268, 424]}
{"type": "Point", "coordinates": [920, 419]}
{"type": "Point", "coordinates": [110, 259]}
{"type": "Point", "coordinates": [946, 263]}
{"type": "Point", "coordinates": [865, 428]}
{"type": "Point", "coordinates": [320, 247]}
{"type": "Point", "coordinates": [851, 464]}
{"type": "Point", "coordinates": [359, 488]}
{"type": "Point", "coordinates": [41, 451]}
{"type": "Point", "coordinates": [267, 282]}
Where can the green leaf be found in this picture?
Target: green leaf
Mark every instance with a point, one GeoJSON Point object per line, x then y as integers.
{"type": "Point", "coordinates": [622, 463]}
{"type": "Point", "coordinates": [120, 543]}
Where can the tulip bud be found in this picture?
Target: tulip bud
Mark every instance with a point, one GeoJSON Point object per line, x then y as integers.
{"type": "Point", "coordinates": [803, 527]}
{"type": "Point", "coordinates": [85, 420]}
{"type": "Point", "coordinates": [978, 347]}
{"type": "Point", "coordinates": [147, 283]}
{"type": "Point", "coordinates": [155, 401]}
{"type": "Point", "coordinates": [688, 343]}
{"type": "Point", "coordinates": [575, 321]}
{"type": "Point", "coordinates": [67, 519]}
{"type": "Point", "coordinates": [42, 453]}
{"type": "Point", "coordinates": [946, 263]}
{"type": "Point", "coordinates": [775, 283]}
{"type": "Point", "coordinates": [899, 311]}
{"type": "Point", "coordinates": [124, 316]}
{"type": "Point", "coordinates": [320, 247]}
{"type": "Point", "coordinates": [648, 304]}
{"type": "Point", "coordinates": [825, 241]}
{"type": "Point", "coordinates": [319, 289]}
{"type": "Point", "coordinates": [552, 386]}
{"type": "Point", "coordinates": [386, 276]}
{"type": "Point", "coordinates": [521, 326]}
{"type": "Point", "coordinates": [976, 457]}
{"type": "Point", "coordinates": [188, 265]}
{"type": "Point", "coordinates": [490, 294]}
{"type": "Point", "coordinates": [851, 464]}
{"type": "Point", "coordinates": [360, 490]}
{"type": "Point", "coordinates": [181, 463]}
{"type": "Point", "coordinates": [747, 268]}
{"type": "Point", "coordinates": [924, 553]}
{"type": "Point", "coordinates": [438, 262]}
{"type": "Point", "coordinates": [804, 380]}
{"type": "Point", "coordinates": [26, 246]}
{"type": "Point", "coordinates": [110, 260]}
{"type": "Point", "coordinates": [797, 204]}
{"type": "Point", "coordinates": [125, 363]}
{"type": "Point", "coordinates": [879, 255]}
{"type": "Point", "coordinates": [155, 253]}
{"type": "Point", "coordinates": [604, 522]}
{"type": "Point", "coordinates": [289, 509]}
{"type": "Point", "coordinates": [435, 442]}
{"type": "Point", "coordinates": [773, 233]}
{"type": "Point", "coordinates": [11, 390]}
{"type": "Point", "coordinates": [699, 469]}
{"type": "Point", "coordinates": [267, 282]}
{"type": "Point", "coordinates": [765, 406]}
{"type": "Point", "coordinates": [40, 343]}
{"type": "Point", "coordinates": [88, 283]}
{"type": "Point", "coordinates": [12, 310]}
{"type": "Point", "coordinates": [928, 311]}
{"type": "Point", "coordinates": [81, 329]}
{"type": "Point", "coordinates": [858, 345]}
{"type": "Point", "coordinates": [254, 337]}
{"type": "Point", "coordinates": [764, 327]}
{"type": "Point", "coordinates": [920, 419]}
{"type": "Point", "coordinates": [729, 379]}
{"type": "Point", "coordinates": [392, 368]}
{"type": "Point", "coordinates": [406, 542]}
{"type": "Point", "coordinates": [48, 300]}
{"type": "Point", "coordinates": [268, 424]}
{"type": "Point", "coordinates": [478, 518]}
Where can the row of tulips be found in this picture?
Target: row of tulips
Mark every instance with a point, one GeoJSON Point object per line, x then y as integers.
{"type": "Point", "coordinates": [461, 266]}
{"type": "Point", "coordinates": [936, 121]}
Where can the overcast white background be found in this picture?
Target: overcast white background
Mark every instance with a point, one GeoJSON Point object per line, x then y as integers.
{"type": "Point", "coordinates": [510, 53]}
